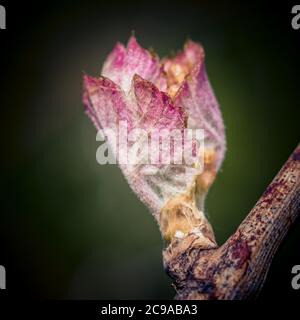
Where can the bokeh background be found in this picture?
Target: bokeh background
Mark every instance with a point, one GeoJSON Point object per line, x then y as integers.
{"type": "Point", "coordinates": [72, 229]}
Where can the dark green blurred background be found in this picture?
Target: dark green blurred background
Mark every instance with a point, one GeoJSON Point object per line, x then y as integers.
{"type": "Point", "coordinates": [71, 228]}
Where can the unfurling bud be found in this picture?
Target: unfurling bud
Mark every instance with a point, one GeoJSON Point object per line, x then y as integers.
{"type": "Point", "coordinates": [159, 97]}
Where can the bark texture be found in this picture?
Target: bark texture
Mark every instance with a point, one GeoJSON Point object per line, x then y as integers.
{"type": "Point", "coordinates": [237, 270]}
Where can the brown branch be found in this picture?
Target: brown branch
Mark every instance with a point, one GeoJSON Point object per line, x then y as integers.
{"type": "Point", "coordinates": [237, 269]}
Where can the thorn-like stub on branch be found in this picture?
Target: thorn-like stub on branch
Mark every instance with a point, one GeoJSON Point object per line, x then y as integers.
{"type": "Point", "coordinates": [296, 154]}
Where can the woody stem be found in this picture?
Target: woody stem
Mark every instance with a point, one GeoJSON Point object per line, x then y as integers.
{"type": "Point", "coordinates": [238, 268]}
